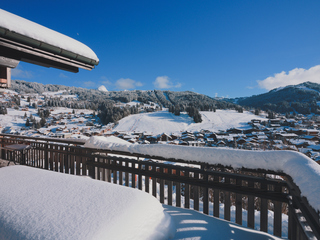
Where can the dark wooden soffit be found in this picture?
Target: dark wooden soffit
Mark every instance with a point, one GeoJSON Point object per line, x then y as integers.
{"type": "Point", "coordinates": [21, 52]}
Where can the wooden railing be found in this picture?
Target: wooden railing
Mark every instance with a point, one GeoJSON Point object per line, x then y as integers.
{"type": "Point", "coordinates": [196, 185]}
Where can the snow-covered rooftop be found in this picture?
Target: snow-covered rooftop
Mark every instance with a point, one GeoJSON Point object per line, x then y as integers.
{"type": "Point", "coordinates": [38, 32]}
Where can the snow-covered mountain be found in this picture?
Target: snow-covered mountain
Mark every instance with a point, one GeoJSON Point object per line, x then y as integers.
{"type": "Point", "coordinates": [102, 88]}
{"type": "Point", "coordinates": [302, 98]}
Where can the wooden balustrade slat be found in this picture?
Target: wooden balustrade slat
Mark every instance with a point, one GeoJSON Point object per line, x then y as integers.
{"type": "Point", "coordinates": [277, 221]}
{"type": "Point", "coordinates": [115, 173]}
{"type": "Point", "coordinates": [161, 187]}
{"type": "Point", "coordinates": [170, 188]}
{"type": "Point", "coordinates": [120, 175]}
{"type": "Point", "coordinates": [50, 159]}
{"type": "Point", "coordinates": [99, 170]}
{"type": "Point", "coordinates": [264, 211]}
{"type": "Point", "coordinates": [239, 204]}
{"type": "Point", "coordinates": [147, 178]}
{"type": "Point", "coordinates": [251, 207]}
{"type": "Point", "coordinates": [216, 202]}
{"type": "Point", "coordinates": [61, 161]}
{"type": "Point", "coordinates": [227, 202]}
{"type": "Point", "coordinates": [133, 178]}
{"type": "Point", "coordinates": [178, 190]}
{"type": "Point", "coordinates": [108, 171]}
{"type": "Point", "coordinates": [205, 191]}
{"type": "Point", "coordinates": [154, 183]}
{"type": "Point", "coordinates": [72, 150]}
{"type": "Point", "coordinates": [56, 159]}
{"type": "Point", "coordinates": [139, 176]}
{"type": "Point", "coordinates": [78, 160]}
{"type": "Point", "coordinates": [196, 194]}
{"type": "Point", "coordinates": [83, 162]}
{"type": "Point", "coordinates": [187, 191]}
{"type": "Point", "coordinates": [127, 176]}
{"type": "Point", "coordinates": [66, 161]}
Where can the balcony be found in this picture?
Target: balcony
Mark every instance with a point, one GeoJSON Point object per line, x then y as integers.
{"type": "Point", "coordinates": [193, 185]}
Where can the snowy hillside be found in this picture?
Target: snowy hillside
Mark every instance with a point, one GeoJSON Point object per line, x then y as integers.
{"type": "Point", "coordinates": [163, 121]}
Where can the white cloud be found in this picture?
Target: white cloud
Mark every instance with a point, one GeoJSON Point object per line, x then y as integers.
{"type": "Point", "coordinates": [61, 75]}
{"type": "Point", "coordinates": [105, 80]}
{"type": "Point", "coordinates": [89, 84]}
{"type": "Point", "coordinates": [165, 82]}
{"type": "Point", "coordinates": [293, 77]}
{"type": "Point", "coordinates": [127, 83]}
{"type": "Point", "coordinates": [20, 73]}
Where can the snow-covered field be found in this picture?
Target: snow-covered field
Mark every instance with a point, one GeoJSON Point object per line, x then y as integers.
{"type": "Point", "coordinates": [163, 121]}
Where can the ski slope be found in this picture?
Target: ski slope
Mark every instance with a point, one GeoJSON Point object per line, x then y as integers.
{"type": "Point", "coordinates": [163, 121]}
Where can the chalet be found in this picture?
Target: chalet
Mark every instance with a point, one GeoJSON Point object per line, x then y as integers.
{"type": "Point", "coordinates": [145, 142]}
{"type": "Point", "coordinates": [234, 130]}
{"type": "Point", "coordinates": [164, 137]}
{"type": "Point", "coordinates": [210, 141]}
{"type": "Point", "coordinates": [152, 139]}
{"type": "Point", "coordinates": [256, 121]}
{"type": "Point", "coordinates": [315, 148]}
{"type": "Point", "coordinates": [174, 136]}
{"type": "Point", "coordinates": [133, 140]}
{"type": "Point", "coordinates": [310, 137]}
{"type": "Point", "coordinates": [183, 143]}
{"type": "Point", "coordinates": [187, 138]}
{"type": "Point", "coordinates": [299, 143]}
{"type": "Point", "coordinates": [240, 141]}
{"type": "Point", "coordinates": [285, 136]}
{"type": "Point", "coordinates": [221, 144]}
{"type": "Point", "coordinates": [210, 135]}
{"type": "Point", "coordinates": [196, 143]}
{"type": "Point", "coordinates": [62, 135]}
{"type": "Point", "coordinates": [274, 122]}
{"type": "Point", "coordinates": [277, 141]}
{"type": "Point", "coordinates": [186, 133]}
{"type": "Point", "coordinates": [290, 122]}
{"type": "Point", "coordinates": [311, 132]}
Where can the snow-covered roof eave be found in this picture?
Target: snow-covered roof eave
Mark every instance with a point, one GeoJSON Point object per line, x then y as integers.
{"type": "Point", "coordinates": [15, 29]}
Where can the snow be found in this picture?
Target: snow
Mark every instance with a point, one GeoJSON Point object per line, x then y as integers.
{"type": "Point", "coordinates": [40, 204]}
{"type": "Point", "coordinates": [289, 162]}
{"type": "Point", "coordinates": [63, 94]}
{"type": "Point", "coordinates": [194, 225]}
{"type": "Point", "coordinates": [102, 88]}
{"type": "Point", "coordinates": [163, 121]}
{"type": "Point", "coordinates": [35, 31]}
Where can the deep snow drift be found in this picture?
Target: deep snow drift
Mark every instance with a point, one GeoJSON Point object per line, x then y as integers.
{"type": "Point", "coordinates": [41, 204]}
{"type": "Point", "coordinates": [304, 171]}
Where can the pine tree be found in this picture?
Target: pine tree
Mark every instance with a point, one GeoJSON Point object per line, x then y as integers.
{"type": "Point", "coordinates": [42, 122]}
{"type": "Point", "coordinates": [27, 123]}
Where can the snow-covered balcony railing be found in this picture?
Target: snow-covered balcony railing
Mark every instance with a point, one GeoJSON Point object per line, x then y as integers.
{"type": "Point", "coordinates": [273, 191]}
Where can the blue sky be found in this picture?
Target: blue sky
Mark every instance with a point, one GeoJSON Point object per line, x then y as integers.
{"type": "Point", "coordinates": [217, 48]}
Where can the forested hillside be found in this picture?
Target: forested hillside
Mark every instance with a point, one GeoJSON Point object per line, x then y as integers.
{"type": "Point", "coordinates": [163, 98]}
{"type": "Point", "coordinates": [302, 98]}
{"type": "Point", "coordinates": [105, 102]}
